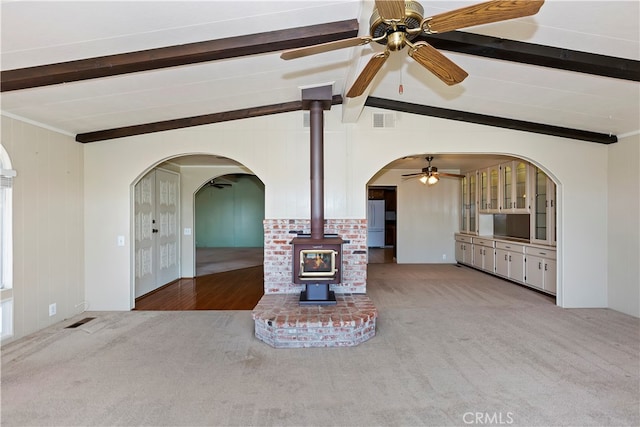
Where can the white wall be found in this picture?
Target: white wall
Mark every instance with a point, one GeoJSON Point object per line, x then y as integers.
{"type": "Point", "coordinates": [276, 149]}
{"type": "Point", "coordinates": [48, 248]}
{"type": "Point", "coordinates": [624, 225]}
{"type": "Point", "coordinates": [427, 218]}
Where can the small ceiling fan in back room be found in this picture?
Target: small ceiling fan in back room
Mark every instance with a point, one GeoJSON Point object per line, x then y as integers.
{"type": "Point", "coordinates": [430, 174]}
{"type": "Point", "coordinates": [395, 23]}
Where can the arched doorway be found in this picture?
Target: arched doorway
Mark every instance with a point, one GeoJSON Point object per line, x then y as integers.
{"type": "Point", "coordinates": [194, 173]}
{"type": "Point", "coordinates": [500, 197]}
{"type": "Point", "coordinates": [229, 215]}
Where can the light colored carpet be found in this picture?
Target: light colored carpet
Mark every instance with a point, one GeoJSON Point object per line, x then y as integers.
{"type": "Point", "coordinates": [217, 260]}
{"type": "Point", "coordinates": [452, 344]}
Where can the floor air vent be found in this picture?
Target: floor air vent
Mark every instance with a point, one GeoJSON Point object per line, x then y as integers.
{"type": "Point", "coordinates": [80, 322]}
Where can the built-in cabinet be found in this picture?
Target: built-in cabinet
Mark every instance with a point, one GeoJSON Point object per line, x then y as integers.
{"type": "Point", "coordinates": [540, 268]}
{"type": "Point", "coordinates": [483, 254]}
{"type": "Point", "coordinates": [512, 187]}
{"type": "Point", "coordinates": [504, 188]}
{"type": "Point", "coordinates": [464, 250]}
{"type": "Point", "coordinates": [524, 263]}
{"type": "Point", "coordinates": [510, 261]}
{"type": "Point", "coordinates": [469, 203]}
{"type": "Point", "coordinates": [543, 224]}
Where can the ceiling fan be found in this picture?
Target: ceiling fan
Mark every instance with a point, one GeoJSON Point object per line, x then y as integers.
{"type": "Point", "coordinates": [430, 174]}
{"type": "Point", "coordinates": [215, 184]}
{"type": "Point", "coordinates": [396, 23]}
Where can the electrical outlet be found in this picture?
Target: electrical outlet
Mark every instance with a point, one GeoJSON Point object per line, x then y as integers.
{"type": "Point", "coordinates": [52, 309]}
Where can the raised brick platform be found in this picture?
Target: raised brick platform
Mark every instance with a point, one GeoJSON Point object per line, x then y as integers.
{"type": "Point", "coordinates": [282, 322]}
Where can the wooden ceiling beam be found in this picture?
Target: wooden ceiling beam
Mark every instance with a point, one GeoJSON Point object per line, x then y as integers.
{"type": "Point", "coordinates": [174, 56]}
{"type": "Point", "coordinates": [205, 119]}
{"type": "Point", "coordinates": [535, 54]}
{"type": "Point", "coordinates": [482, 119]}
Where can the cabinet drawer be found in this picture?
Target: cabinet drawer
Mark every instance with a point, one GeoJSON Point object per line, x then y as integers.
{"type": "Point", "coordinates": [483, 242]}
{"type": "Point", "coordinates": [510, 247]}
{"type": "Point", "coordinates": [541, 252]}
{"type": "Point", "coordinates": [461, 238]}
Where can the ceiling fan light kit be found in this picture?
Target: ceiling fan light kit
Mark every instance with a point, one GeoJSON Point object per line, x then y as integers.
{"type": "Point", "coordinates": [430, 175]}
{"type": "Point", "coordinates": [395, 23]}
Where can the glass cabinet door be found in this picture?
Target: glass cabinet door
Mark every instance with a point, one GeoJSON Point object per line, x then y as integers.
{"type": "Point", "coordinates": [484, 190]}
{"type": "Point", "coordinates": [541, 205]}
{"type": "Point", "coordinates": [463, 205]}
{"type": "Point", "coordinates": [472, 202]}
{"type": "Point", "coordinates": [507, 183]}
{"type": "Point", "coordinates": [493, 187]}
{"type": "Point", "coordinates": [521, 185]}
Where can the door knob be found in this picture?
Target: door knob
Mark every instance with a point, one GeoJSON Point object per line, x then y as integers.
{"type": "Point", "coordinates": [154, 230]}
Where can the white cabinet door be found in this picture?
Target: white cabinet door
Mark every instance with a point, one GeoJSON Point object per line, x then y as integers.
{"type": "Point", "coordinates": [464, 254]}
{"type": "Point", "coordinates": [502, 262]}
{"type": "Point", "coordinates": [478, 256]}
{"type": "Point", "coordinates": [534, 274]}
{"type": "Point", "coordinates": [549, 284]}
{"type": "Point", "coordinates": [516, 266]}
{"type": "Point", "coordinates": [540, 269]}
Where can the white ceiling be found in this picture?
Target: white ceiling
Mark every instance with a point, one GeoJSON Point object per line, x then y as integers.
{"type": "Point", "coordinates": [43, 32]}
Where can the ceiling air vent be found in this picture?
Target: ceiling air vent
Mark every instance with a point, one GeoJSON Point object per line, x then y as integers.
{"type": "Point", "coordinates": [384, 120]}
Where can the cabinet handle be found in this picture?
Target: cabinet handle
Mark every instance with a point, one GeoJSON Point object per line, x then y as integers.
{"type": "Point", "coordinates": [539, 266]}
{"type": "Point", "coordinates": [509, 258]}
{"type": "Point", "coordinates": [545, 267]}
{"type": "Point", "coordinates": [505, 257]}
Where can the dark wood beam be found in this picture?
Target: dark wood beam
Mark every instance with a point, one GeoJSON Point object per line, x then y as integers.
{"type": "Point", "coordinates": [482, 119]}
{"type": "Point", "coordinates": [173, 56]}
{"type": "Point", "coordinates": [535, 54]}
{"type": "Point", "coordinates": [206, 119]}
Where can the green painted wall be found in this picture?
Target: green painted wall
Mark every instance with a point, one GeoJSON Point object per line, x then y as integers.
{"type": "Point", "coordinates": [230, 216]}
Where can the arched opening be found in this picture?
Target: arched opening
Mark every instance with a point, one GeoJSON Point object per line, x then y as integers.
{"type": "Point", "coordinates": [229, 213]}
{"type": "Point", "coordinates": [504, 207]}
{"type": "Point", "coordinates": [6, 245]}
{"type": "Point", "coordinates": [196, 176]}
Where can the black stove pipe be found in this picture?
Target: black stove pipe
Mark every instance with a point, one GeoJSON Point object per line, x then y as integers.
{"type": "Point", "coordinates": [317, 169]}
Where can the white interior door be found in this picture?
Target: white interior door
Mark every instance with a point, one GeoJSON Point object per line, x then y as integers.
{"type": "Point", "coordinates": [167, 196]}
{"type": "Point", "coordinates": [156, 198]}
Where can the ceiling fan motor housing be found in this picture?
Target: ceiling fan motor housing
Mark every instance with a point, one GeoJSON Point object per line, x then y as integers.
{"type": "Point", "coordinates": [413, 15]}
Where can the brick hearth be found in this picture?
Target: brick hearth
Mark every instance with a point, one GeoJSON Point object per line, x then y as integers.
{"type": "Point", "coordinates": [282, 322]}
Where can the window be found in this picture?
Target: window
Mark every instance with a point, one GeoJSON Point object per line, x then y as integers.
{"type": "Point", "coordinates": [6, 245]}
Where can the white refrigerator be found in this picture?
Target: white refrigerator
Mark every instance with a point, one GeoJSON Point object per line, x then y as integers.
{"type": "Point", "coordinates": [375, 223]}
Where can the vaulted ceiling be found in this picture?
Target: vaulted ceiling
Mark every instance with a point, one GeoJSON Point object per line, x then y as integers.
{"type": "Point", "coordinates": [100, 70]}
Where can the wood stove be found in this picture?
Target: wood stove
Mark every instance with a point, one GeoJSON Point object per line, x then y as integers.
{"type": "Point", "coordinates": [317, 258]}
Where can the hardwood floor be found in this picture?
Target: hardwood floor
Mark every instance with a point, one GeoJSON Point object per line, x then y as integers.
{"type": "Point", "coordinates": [229, 290]}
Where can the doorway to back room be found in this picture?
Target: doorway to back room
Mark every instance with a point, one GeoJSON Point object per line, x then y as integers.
{"type": "Point", "coordinates": [229, 233]}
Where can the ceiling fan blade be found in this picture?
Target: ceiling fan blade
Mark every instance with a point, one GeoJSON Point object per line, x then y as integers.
{"type": "Point", "coordinates": [390, 10]}
{"type": "Point", "coordinates": [431, 59]}
{"type": "Point", "coordinates": [450, 175]}
{"type": "Point", "coordinates": [482, 13]}
{"type": "Point", "coordinates": [367, 75]}
{"type": "Point", "coordinates": [414, 174]}
{"type": "Point", "coordinates": [325, 47]}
